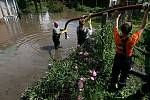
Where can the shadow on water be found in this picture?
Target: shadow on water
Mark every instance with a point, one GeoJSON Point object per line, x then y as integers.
{"type": "Point", "coordinates": [48, 49]}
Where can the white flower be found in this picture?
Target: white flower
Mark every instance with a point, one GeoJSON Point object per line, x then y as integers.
{"type": "Point", "coordinates": [49, 64]}
{"type": "Point", "coordinates": [82, 78]}
{"type": "Point", "coordinates": [94, 73]}
{"type": "Point", "coordinates": [80, 85]}
{"type": "Point", "coordinates": [76, 67]}
{"type": "Point", "coordinates": [90, 71]}
{"type": "Point", "coordinates": [80, 53]}
{"type": "Point", "coordinates": [92, 78]}
{"type": "Point", "coordinates": [86, 53]}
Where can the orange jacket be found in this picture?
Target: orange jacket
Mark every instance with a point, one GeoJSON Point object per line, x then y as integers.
{"type": "Point", "coordinates": [132, 40]}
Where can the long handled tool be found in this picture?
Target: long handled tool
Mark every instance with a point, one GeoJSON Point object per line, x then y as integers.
{"type": "Point", "coordinates": [129, 7]}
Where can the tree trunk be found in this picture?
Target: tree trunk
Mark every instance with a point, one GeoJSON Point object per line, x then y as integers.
{"type": "Point", "coordinates": [82, 2]}
{"type": "Point", "coordinates": [96, 3]}
{"type": "Point", "coordinates": [69, 2]}
{"type": "Point", "coordinates": [35, 3]}
{"type": "Point", "coordinates": [39, 2]}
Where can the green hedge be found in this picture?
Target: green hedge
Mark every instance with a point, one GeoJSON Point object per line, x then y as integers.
{"type": "Point", "coordinates": [55, 6]}
{"type": "Point", "coordinates": [87, 9]}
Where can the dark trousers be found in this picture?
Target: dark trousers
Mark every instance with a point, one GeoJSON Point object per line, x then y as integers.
{"type": "Point", "coordinates": [56, 41]}
{"type": "Point", "coordinates": [121, 66]}
{"type": "Point", "coordinates": [81, 41]}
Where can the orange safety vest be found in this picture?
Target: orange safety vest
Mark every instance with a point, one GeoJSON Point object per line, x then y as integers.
{"type": "Point", "coordinates": [128, 44]}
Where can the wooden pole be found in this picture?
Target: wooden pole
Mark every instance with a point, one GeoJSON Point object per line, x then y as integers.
{"type": "Point", "coordinates": [130, 7]}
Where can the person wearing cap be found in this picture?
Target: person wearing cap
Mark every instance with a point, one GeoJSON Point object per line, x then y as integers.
{"type": "Point", "coordinates": [124, 51]}
{"type": "Point", "coordinates": [56, 35]}
{"type": "Point", "coordinates": [83, 33]}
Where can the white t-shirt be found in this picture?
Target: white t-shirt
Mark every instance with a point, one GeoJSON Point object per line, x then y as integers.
{"type": "Point", "coordinates": [56, 31]}
{"type": "Point", "coordinates": [88, 31]}
{"type": "Point", "coordinates": [112, 3]}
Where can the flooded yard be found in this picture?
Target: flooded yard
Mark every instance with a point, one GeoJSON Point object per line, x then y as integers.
{"type": "Point", "coordinates": [26, 45]}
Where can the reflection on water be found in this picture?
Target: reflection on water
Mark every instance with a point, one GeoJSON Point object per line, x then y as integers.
{"type": "Point", "coordinates": [25, 47]}
{"type": "Point", "coordinates": [37, 28]}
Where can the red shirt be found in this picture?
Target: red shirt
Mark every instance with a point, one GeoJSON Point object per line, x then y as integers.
{"type": "Point", "coordinates": [132, 40]}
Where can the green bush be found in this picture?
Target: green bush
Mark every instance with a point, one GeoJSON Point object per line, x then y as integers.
{"type": "Point", "coordinates": [84, 8]}
{"type": "Point", "coordinates": [55, 6]}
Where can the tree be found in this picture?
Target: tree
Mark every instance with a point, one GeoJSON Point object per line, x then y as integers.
{"type": "Point", "coordinates": [96, 3]}
{"type": "Point", "coordinates": [22, 4]}
{"type": "Point", "coordinates": [35, 3]}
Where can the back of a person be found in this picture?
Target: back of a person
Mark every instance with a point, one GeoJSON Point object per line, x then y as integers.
{"type": "Point", "coordinates": [125, 42]}
{"type": "Point", "coordinates": [81, 32]}
{"type": "Point", "coordinates": [81, 35]}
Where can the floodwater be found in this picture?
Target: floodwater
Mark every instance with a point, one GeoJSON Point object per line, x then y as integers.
{"type": "Point", "coordinates": [25, 47]}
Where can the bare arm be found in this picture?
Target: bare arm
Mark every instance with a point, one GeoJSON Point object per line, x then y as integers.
{"type": "Point", "coordinates": [144, 19]}
{"type": "Point", "coordinates": [89, 24]}
{"type": "Point", "coordinates": [87, 18]}
{"type": "Point", "coordinates": [136, 36]}
{"type": "Point", "coordinates": [117, 21]}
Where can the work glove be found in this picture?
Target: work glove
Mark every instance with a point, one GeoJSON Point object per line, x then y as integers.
{"type": "Point", "coordinates": [146, 5]}
{"type": "Point", "coordinates": [66, 30]}
{"type": "Point", "coordinates": [66, 35]}
{"type": "Point", "coordinates": [89, 24]}
{"type": "Point", "coordinates": [63, 31]}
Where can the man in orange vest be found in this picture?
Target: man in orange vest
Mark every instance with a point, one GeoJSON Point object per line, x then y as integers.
{"type": "Point", "coordinates": [124, 51]}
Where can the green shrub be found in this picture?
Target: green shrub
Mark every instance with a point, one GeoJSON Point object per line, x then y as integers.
{"type": "Point", "coordinates": [84, 8]}
{"type": "Point", "coordinates": [55, 6]}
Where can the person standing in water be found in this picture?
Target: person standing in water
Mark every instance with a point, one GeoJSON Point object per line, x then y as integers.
{"type": "Point", "coordinates": [56, 35]}
{"type": "Point", "coordinates": [83, 33]}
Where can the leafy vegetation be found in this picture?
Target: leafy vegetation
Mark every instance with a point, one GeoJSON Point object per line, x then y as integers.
{"type": "Point", "coordinates": [72, 78]}
{"type": "Point", "coordinates": [84, 8]}
{"type": "Point", "coordinates": [55, 6]}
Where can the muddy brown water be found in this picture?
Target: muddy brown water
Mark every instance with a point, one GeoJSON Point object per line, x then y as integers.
{"type": "Point", "coordinates": [25, 46]}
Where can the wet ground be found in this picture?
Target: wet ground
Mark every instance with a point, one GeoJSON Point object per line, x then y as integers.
{"type": "Point", "coordinates": [25, 47]}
